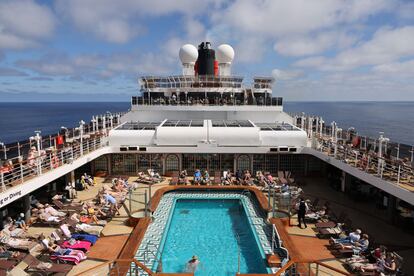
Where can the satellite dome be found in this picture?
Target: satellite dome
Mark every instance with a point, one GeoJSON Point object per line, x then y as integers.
{"type": "Point", "coordinates": [225, 53]}
{"type": "Point", "coordinates": [188, 53]}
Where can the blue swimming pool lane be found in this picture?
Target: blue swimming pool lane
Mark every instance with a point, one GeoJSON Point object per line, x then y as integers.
{"type": "Point", "coordinates": [215, 230]}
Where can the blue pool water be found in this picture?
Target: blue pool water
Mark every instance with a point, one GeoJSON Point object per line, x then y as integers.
{"type": "Point", "coordinates": [213, 230]}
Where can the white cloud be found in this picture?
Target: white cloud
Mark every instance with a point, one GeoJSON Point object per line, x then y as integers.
{"type": "Point", "coordinates": [276, 18]}
{"type": "Point", "coordinates": [400, 68]}
{"type": "Point", "coordinates": [11, 72]}
{"type": "Point", "coordinates": [120, 21]}
{"type": "Point", "coordinates": [23, 23]}
{"type": "Point", "coordinates": [387, 45]}
{"type": "Point", "coordinates": [311, 45]}
{"type": "Point", "coordinates": [286, 75]}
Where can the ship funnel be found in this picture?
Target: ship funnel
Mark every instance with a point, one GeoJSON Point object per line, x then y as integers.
{"type": "Point", "coordinates": [206, 63]}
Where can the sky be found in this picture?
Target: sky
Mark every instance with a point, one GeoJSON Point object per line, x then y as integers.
{"type": "Point", "coordinates": [95, 50]}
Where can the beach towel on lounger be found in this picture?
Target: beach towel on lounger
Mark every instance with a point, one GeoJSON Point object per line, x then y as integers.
{"type": "Point", "coordinates": [78, 245]}
{"type": "Point", "coordinates": [85, 237]}
{"type": "Point", "coordinates": [70, 255]}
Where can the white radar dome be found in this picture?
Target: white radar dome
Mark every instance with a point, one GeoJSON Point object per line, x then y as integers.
{"type": "Point", "coordinates": [225, 53]}
{"type": "Point", "coordinates": [188, 53]}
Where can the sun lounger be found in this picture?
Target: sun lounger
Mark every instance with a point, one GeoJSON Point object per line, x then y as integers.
{"type": "Point", "coordinates": [326, 224]}
{"type": "Point", "coordinates": [85, 237]}
{"type": "Point", "coordinates": [36, 266]}
{"type": "Point", "coordinates": [67, 207]}
{"type": "Point", "coordinates": [7, 265]}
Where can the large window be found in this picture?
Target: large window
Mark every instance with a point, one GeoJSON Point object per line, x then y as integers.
{"type": "Point", "coordinates": [227, 162]}
{"type": "Point", "coordinates": [156, 162]}
{"type": "Point", "coordinates": [117, 163]}
{"type": "Point", "coordinates": [272, 163]}
{"type": "Point", "coordinates": [144, 162]}
{"type": "Point", "coordinates": [243, 162]}
{"type": "Point", "coordinates": [259, 163]}
{"type": "Point", "coordinates": [101, 164]}
{"type": "Point", "coordinates": [130, 163]}
{"type": "Point", "coordinates": [172, 163]}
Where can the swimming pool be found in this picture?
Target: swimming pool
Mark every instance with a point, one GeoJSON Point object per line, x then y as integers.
{"type": "Point", "coordinates": [215, 226]}
{"type": "Point", "coordinates": [214, 230]}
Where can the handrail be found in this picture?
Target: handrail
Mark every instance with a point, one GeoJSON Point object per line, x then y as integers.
{"type": "Point", "coordinates": [285, 267]}
{"type": "Point", "coordinates": [289, 264]}
{"type": "Point", "coordinates": [137, 263]}
{"type": "Point", "coordinates": [331, 268]}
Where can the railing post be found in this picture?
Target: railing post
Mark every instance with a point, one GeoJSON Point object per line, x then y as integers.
{"type": "Point", "coordinates": [21, 173]}
{"type": "Point", "coordinates": [50, 162]}
{"type": "Point", "coordinates": [273, 206]}
{"type": "Point", "coordinates": [145, 206]}
{"type": "Point", "coordinates": [3, 186]}
{"type": "Point", "coordinates": [317, 269]}
{"type": "Point", "coordinates": [399, 174]}
{"type": "Point", "coordinates": [130, 202]}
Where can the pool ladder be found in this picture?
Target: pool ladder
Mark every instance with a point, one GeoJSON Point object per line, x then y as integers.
{"type": "Point", "coordinates": [148, 252]}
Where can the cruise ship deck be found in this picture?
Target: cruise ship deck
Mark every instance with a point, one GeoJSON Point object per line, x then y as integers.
{"type": "Point", "coordinates": [204, 174]}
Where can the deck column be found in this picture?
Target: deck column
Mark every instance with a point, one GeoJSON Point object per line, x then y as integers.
{"type": "Point", "coordinates": [26, 207]}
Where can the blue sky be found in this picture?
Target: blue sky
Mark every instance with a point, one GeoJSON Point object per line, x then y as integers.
{"type": "Point", "coordinates": [94, 50]}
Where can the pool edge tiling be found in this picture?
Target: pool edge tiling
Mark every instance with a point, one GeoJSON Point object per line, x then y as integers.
{"type": "Point", "coordinates": [149, 249]}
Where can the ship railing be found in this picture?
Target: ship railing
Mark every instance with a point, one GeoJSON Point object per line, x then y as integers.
{"type": "Point", "coordinates": [119, 267]}
{"type": "Point", "coordinates": [302, 268]}
{"type": "Point", "coordinates": [46, 161]}
{"type": "Point", "coordinates": [207, 101]}
{"type": "Point", "coordinates": [394, 172]}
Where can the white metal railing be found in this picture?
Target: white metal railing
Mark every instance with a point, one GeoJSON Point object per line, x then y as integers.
{"type": "Point", "coordinates": [25, 169]}
{"type": "Point", "coordinates": [389, 170]}
{"type": "Point", "coordinates": [47, 155]}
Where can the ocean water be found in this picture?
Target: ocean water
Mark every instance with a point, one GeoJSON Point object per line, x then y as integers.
{"type": "Point", "coordinates": [395, 119]}
{"type": "Point", "coordinates": [18, 121]}
{"type": "Point", "coordinates": [215, 231]}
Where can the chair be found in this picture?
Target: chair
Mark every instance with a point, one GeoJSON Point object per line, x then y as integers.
{"type": "Point", "coordinates": [33, 267]}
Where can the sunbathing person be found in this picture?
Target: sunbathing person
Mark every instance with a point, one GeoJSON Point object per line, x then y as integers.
{"type": "Point", "coordinates": [358, 246]}
{"type": "Point", "coordinates": [197, 176]}
{"type": "Point", "coordinates": [15, 232]}
{"type": "Point", "coordinates": [44, 216]}
{"type": "Point", "coordinates": [53, 212]}
{"type": "Point", "coordinates": [25, 244]}
{"type": "Point", "coordinates": [352, 238]}
{"type": "Point", "coordinates": [57, 250]}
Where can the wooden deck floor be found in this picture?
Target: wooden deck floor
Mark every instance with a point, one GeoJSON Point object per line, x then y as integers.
{"type": "Point", "coordinates": [108, 248]}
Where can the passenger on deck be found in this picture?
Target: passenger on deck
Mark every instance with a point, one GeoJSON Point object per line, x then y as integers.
{"type": "Point", "coordinates": [20, 222]}
{"type": "Point", "coordinates": [192, 264]}
{"type": "Point", "coordinates": [238, 177]}
{"type": "Point", "coordinates": [302, 210]}
{"type": "Point", "coordinates": [183, 177]}
{"type": "Point", "coordinates": [197, 176]}
{"type": "Point", "coordinates": [44, 216]}
{"type": "Point", "coordinates": [352, 238]}
{"type": "Point", "coordinates": [52, 211]}
{"type": "Point", "coordinates": [112, 202]}
{"type": "Point", "coordinates": [206, 178]}
{"type": "Point", "coordinates": [247, 178]}
{"type": "Point", "coordinates": [358, 246]}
